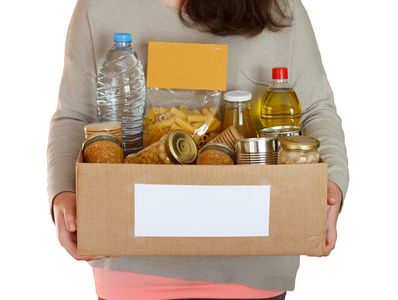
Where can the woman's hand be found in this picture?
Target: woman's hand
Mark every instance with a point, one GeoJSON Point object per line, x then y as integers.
{"type": "Point", "coordinates": [334, 203]}
{"type": "Point", "coordinates": [64, 207]}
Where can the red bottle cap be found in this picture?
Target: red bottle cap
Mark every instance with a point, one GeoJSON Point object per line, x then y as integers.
{"type": "Point", "coordinates": [279, 73]}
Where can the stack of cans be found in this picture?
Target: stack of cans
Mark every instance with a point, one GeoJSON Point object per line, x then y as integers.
{"type": "Point", "coordinates": [280, 131]}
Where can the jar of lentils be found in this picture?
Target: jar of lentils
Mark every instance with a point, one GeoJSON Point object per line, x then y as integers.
{"type": "Point", "coordinates": [299, 150]}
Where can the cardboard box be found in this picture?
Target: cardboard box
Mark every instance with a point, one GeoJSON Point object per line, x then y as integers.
{"type": "Point", "coordinates": [199, 210]}
{"type": "Point", "coordinates": [106, 209]}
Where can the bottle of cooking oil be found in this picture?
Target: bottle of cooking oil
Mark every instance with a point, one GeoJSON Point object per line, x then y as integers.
{"type": "Point", "coordinates": [280, 105]}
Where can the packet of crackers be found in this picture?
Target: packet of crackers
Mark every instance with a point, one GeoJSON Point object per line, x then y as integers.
{"type": "Point", "coordinates": [193, 111]}
{"type": "Point", "coordinates": [184, 86]}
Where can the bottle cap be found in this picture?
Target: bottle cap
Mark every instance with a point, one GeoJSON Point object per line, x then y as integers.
{"type": "Point", "coordinates": [279, 73]}
{"type": "Point", "coordinates": [237, 96]}
{"type": "Point", "coordinates": [120, 37]}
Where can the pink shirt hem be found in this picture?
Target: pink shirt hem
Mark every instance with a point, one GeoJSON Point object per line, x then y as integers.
{"type": "Point", "coordinates": [113, 285]}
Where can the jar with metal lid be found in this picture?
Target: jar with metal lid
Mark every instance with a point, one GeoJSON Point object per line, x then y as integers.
{"type": "Point", "coordinates": [177, 147]}
{"type": "Point", "coordinates": [216, 154]}
{"type": "Point", "coordinates": [111, 127]}
{"type": "Point", "coordinates": [103, 148]}
{"type": "Point", "coordinates": [237, 113]}
{"type": "Point", "coordinates": [298, 150]}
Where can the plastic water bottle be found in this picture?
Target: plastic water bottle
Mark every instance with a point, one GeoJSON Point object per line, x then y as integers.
{"type": "Point", "coordinates": [121, 91]}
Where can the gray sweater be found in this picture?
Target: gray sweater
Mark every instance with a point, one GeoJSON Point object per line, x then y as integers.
{"type": "Point", "coordinates": [250, 62]}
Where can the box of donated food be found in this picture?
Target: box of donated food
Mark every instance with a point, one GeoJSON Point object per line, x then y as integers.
{"type": "Point", "coordinates": [132, 209]}
{"type": "Point", "coordinates": [148, 209]}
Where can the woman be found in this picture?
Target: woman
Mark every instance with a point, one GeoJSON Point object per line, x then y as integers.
{"type": "Point", "coordinates": [261, 34]}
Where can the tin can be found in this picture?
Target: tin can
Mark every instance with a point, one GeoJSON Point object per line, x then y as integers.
{"type": "Point", "coordinates": [103, 148]}
{"type": "Point", "coordinates": [280, 131]}
{"type": "Point", "coordinates": [299, 150]}
{"type": "Point", "coordinates": [177, 147]}
{"type": "Point", "coordinates": [257, 151]}
{"type": "Point", "coordinates": [216, 154]}
{"type": "Point", "coordinates": [228, 137]}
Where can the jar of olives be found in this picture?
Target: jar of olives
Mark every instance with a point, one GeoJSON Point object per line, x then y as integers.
{"type": "Point", "coordinates": [298, 150]}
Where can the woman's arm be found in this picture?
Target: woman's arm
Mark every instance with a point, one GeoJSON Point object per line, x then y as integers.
{"type": "Point", "coordinates": [76, 104]}
{"type": "Point", "coordinates": [76, 107]}
{"type": "Point", "coordinates": [308, 77]}
{"type": "Point", "coordinates": [320, 119]}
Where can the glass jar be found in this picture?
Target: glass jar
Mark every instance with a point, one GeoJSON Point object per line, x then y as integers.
{"type": "Point", "coordinates": [103, 148]}
{"type": "Point", "coordinates": [177, 147]}
{"type": "Point", "coordinates": [111, 127]}
{"type": "Point", "coordinates": [237, 113]}
{"type": "Point", "coordinates": [216, 154]}
{"type": "Point", "coordinates": [298, 150]}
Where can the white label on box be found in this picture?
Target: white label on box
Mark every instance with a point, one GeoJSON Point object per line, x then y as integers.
{"type": "Point", "coordinates": [201, 211]}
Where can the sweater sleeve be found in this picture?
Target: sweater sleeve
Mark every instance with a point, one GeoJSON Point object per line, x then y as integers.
{"type": "Point", "coordinates": [76, 104]}
{"type": "Point", "coordinates": [320, 119]}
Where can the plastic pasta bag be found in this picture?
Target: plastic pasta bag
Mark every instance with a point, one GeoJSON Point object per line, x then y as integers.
{"type": "Point", "coordinates": [194, 111]}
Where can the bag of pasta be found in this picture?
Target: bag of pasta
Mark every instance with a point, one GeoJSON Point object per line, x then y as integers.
{"type": "Point", "coordinates": [194, 111]}
{"type": "Point", "coordinates": [184, 84]}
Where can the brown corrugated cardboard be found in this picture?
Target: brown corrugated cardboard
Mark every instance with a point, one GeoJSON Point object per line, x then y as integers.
{"type": "Point", "coordinates": [105, 209]}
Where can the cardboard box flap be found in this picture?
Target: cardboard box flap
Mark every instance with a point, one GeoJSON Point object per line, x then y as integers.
{"type": "Point", "coordinates": [187, 66]}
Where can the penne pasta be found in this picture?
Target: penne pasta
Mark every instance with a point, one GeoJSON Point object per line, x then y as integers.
{"type": "Point", "coordinates": [163, 118]}
{"type": "Point", "coordinates": [185, 125]}
{"type": "Point", "coordinates": [175, 111]}
{"type": "Point", "coordinates": [175, 127]}
{"type": "Point", "coordinates": [159, 120]}
{"type": "Point", "coordinates": [196, 118]}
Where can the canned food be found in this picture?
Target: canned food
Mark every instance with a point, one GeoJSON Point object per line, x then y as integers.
{"type": "Point", "coordinates": [216, 154]}
{"type": "Point", "coordinates": [103, 148]}
{"type": "Point", "coordinates": [280, 131]}
{"type": "Point", "coordinates": [229, 137]}
{"type": "Point", "coordinates": [299, 150]}
{"type": "Point", "coordinates": [177, 147]}
{"type": "Point", "coordinates": [259, 151]}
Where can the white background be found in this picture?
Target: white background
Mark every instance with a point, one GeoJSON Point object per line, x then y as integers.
{"type": "Point", "coordinates": [356, 39]}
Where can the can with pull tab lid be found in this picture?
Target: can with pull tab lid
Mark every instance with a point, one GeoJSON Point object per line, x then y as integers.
{"type": "Point", "coordinates": [177, 147]}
